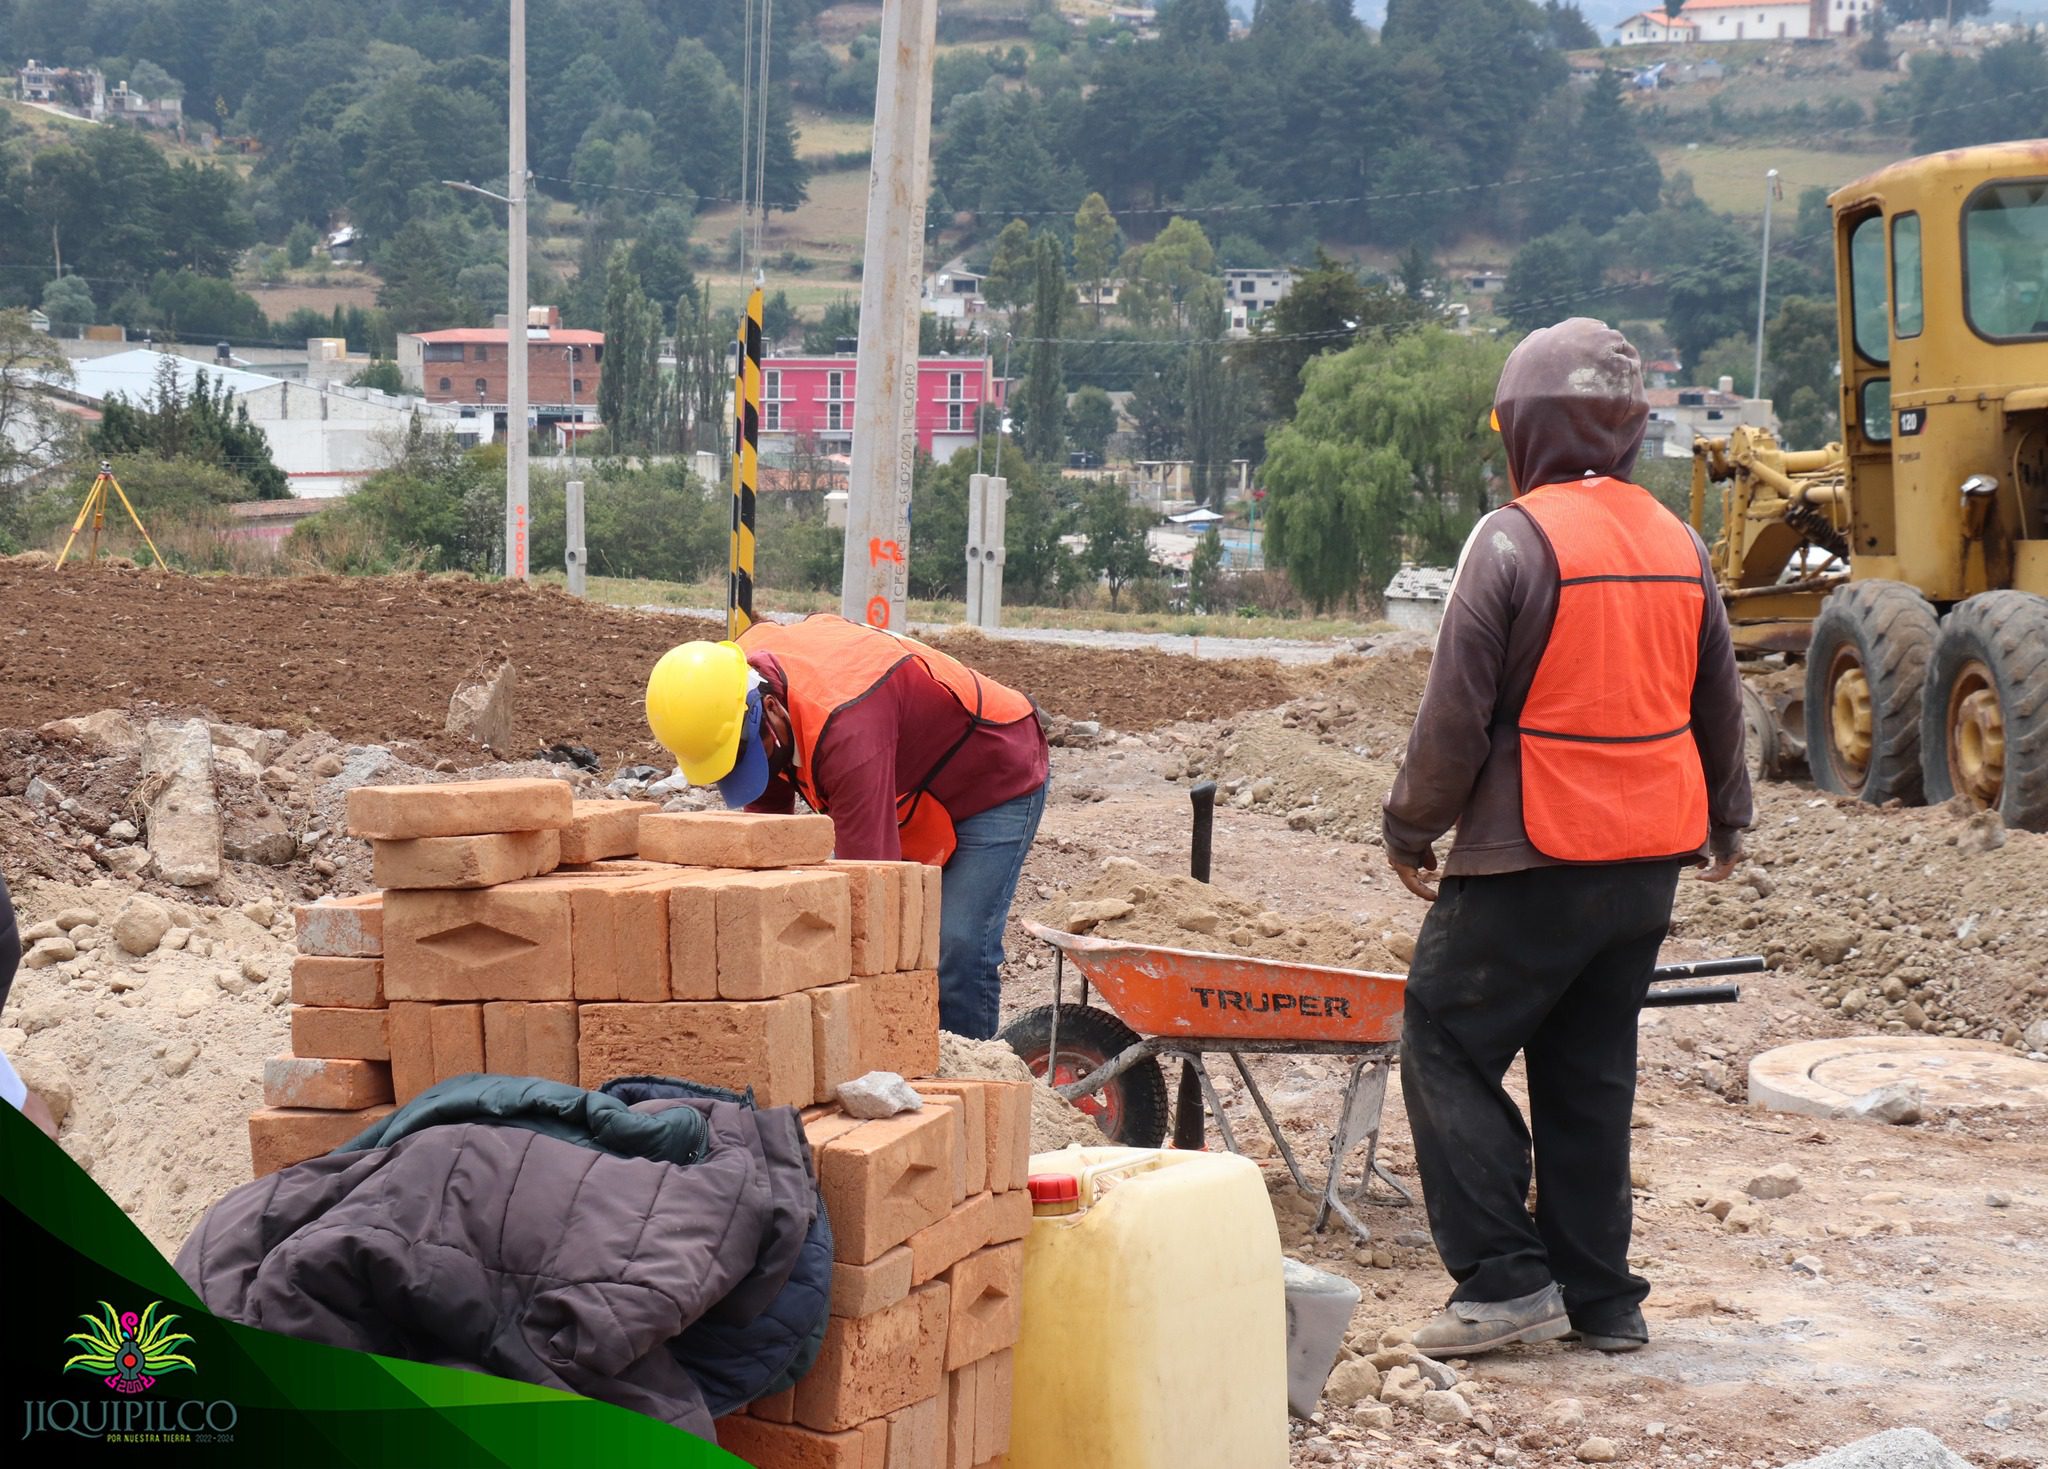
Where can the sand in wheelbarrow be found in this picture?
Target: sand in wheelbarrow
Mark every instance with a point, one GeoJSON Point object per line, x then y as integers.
{"type": "Point", "coordinates": [1132, 903]}
{"type": "Point", "coordinates": [1055, 1122]}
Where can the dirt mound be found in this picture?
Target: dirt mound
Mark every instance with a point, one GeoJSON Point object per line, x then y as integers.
{"type": "Point", "coordinates": [1135, 904]}
{"type": "Point", "coordinates": [1285, 761]}
{"type": "Point", "coordinates": [369, 659]}
{"type": "Point", "coordinates": [1055, 1123]}
{"type": "Point", "coordinates": [1126, 689]}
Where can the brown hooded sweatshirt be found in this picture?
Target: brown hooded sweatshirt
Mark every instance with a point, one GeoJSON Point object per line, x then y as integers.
{"type": "Point", "coordinates": [1570, 405]}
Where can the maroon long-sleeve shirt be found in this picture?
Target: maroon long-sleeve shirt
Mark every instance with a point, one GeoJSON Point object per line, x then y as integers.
{"type": "Point", "coordinates": [884, 745]}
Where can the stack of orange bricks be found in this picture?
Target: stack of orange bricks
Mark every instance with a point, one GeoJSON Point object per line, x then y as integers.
{"type": "Point", "coordinates": [525, 933]}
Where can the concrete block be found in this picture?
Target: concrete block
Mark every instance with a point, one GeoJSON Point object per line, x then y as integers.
{"type": "Point", "coordinates": [458, 808]}
{"type": "Point", "coordinates": [412, 1048]}
{"type": "Point", "coordinates": [735, 839]}
{"type": "Point", "coordinates": [458, 1032]}
{"type": "Point", "coordinates": [341, 928]}
{"type": "Point", "coordinates": [282, 1136]}
{"type": "Point", "coordinates": [995, 1386]}
{"type": "Point", "coordinates": [767, 1445]}
{"type": "Point", "coordinates": [904, 1010]}
{"type": "Point", "coordinates": [599, 830]}
{"type": "Point", "coordinates": [780, 932]}
{"type": "Point", "coordinates": [349, 984]}
{"type": "Point", "coordinates": [523, 1039]}
{"type": "Point", "coordinates": [464, 862]}
{"type": "Point", "coordinates": [763, 1044]}
{"type": "Point", "coordinates": [938, 1247]}
{"type": "Point", "coordinates": [338, 1034]}
{"type": "Point", "coordinates": [839, 1023]}
{"type": "Point", "coordinates": [862, 1290]}
{"type": "Point", "coordinates": [928, 947]}
{"type": "Point", "coordinates": [872, 1366]}
{"type": "Point", "coordinates": [917, 1434]}
{"type": "Point", "coordinates": [988, 1303]}
{"type": "Point", "coordinates": [973, 1099]}
{"type": "Point", "coordinates": [502, 943]}
{"type": "Point", "coordinates": [326, 1085]}
{"type": "Point", "coordinates": [884, 1181]}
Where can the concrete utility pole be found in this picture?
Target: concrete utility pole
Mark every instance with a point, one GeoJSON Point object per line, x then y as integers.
{"type": "Point", "coordinates": [875, 573]}
{"type": "Point", "coordinates": [1763, 284]}
{"type": "Point", "coordinates": [573, 553]}
{"type": "Point", "coordinates": [515, 324]}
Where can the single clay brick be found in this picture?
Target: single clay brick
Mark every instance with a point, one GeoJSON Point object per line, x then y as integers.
{"type": "Point", "coordinates": [904, 1009]}
{"type": "Point", "coordinates": [351, 984]}
{"type": "Point", "coordinates": [342, 928]}
{"type": "Point", "coordinates": [735, 839]}
{"type": "Point", "coordinates": [875, 911]}
{"type": "Point", "coordinates": [458, 809]}
{"type": "Point", "coordinates": [619, 927]}
{"type": "Point", "coordinates": [960, 1418]}
{"type": "Point", "coordinates": [692, 933]}
{"type": "Point", "coordinates": [995, 1381]}
{"type": "Point", "coordinates": [503, 943]}
{"type": "Point", "coordinates": [1009, 1216]}
{"type": "Point", "coordinates": [910, 914]}
{"type": "Point", "coordinates": [1009, 1134]}
{"type": "Point", "coordinates": [917, 1434]}
{"type": "Point", "coordinates": [839, 1021]}
{"type": "Point", "coordinates": [464, 862]}
{"type": "Point", "coordinates": [959, 1145]}
{"type": "Point", "coordinates": [598, 830]}
{"type": "Point", "coordinates": [330, 1086]}
{"type": "Point", "coordinates": [987, 1289]}
{"type": "Point", "coordinates": [973, 1097]}
{"type": "Point", "coordinates": [763, 1044]}
{"type": "Point", "coordinates": [862, 1290]}
{"type": "Point", "coordinates": [412, 1049]}
{"type": "Point", "coordinates": [937, 1248]}
{"type": "Point", "coordinates": [342, 1035]}
{"type": "Point", "coordinates": [282, 1136]}
{"type": "Point", "coordinates": [928, 950]}
{"type": "Point", "coordinates": [531, 1040]}
{"type": "Point", "coordinates": [767, 1445]}
{"type": "Point", "coordinates": [458, 1032]}
{"type": "Point", "coordinates": [821, 1125]}
{"type": "Point", "coordinates": [780, 932]}
{"type": "Point", "coordinates": [781, 1408]}
{"type": "Point", "coordinates": [885, 1180]}
{"type": "Point", "coordinates": [871, 1366]}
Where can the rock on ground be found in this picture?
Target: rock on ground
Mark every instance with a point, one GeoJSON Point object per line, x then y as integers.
{"type": "Point", "coordinates": [1353, 1382]}
{"type": "Point", "coordinates": [184, 813]}
{"type": "Point", "coordinates": [1897, 1448]}
{"type": "Point", "coordinates": [481, 708]}
{"type": "Point", "coordinates": [1778, 1181]}
{"type": "Point", "coordinates": [141, 925]}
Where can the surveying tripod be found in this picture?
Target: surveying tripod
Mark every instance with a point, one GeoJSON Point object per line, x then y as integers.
{"type": "Point", "coordinates": [96, 506]}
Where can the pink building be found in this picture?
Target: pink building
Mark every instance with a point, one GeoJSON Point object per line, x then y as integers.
{"type": "Point", "coordinates": [811, 398]}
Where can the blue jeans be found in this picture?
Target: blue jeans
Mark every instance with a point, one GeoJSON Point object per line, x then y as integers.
{"type": "Point", "coordinates": [979, 884]}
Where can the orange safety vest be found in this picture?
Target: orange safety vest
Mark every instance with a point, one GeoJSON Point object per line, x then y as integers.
{"type": "Point", "coordinates": [832, 664]}
{"type": "Point", "coordinates": [1610, 770]}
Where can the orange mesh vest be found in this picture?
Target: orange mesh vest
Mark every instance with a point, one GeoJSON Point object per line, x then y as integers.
{"type": "Point", "coordinates": [1610, 771]}
{"type": "Point", "coordinates": [832, 664]}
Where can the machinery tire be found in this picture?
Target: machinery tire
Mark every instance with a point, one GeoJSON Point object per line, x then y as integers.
{"type": "Point", "coordinates": [1868, 653]}
{"type": "Point", "coordinates": [1759, 737]}
{"type": "Point", "coordinates": [1131, 1109]}
{"type": "Point", "coordinates": [1984, 715]}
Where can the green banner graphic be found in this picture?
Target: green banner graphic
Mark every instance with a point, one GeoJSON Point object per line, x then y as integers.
{"type": "Point", "coordinates": [111, 1356]}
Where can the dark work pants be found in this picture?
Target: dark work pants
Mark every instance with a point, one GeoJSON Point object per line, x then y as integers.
{"type": "Point", "coordinates": [1552, 962]}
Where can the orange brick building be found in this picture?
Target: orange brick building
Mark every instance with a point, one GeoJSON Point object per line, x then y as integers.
{"type": "Point", "coordinates": [467, 365]}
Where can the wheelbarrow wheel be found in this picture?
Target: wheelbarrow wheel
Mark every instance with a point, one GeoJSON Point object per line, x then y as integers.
{"type": "Point", "coordinates": [1131, 1108]}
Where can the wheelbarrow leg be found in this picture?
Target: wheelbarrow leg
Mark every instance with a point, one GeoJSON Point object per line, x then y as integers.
{"type": "Point", "coordinates": [1209, 1094]}
{"type": "Point", "coordinates": [1272, 1126]}
{"type": "Point", "coordinates": [1364, 1097]}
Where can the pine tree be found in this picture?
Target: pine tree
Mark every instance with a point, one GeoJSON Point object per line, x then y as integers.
{"type": "Point", "coordinates": [1095, 233]}
{"type": "Point", "coordinates": [1212, 404]}
{"type": "Point", "coordinates": [1045, 394]}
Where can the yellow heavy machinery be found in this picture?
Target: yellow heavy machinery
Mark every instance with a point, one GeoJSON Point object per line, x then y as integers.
{"type": "Point", "coordinates": [1908, 565]}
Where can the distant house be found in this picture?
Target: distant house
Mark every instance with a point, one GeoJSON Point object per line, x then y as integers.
{"type": "Point", "coordinates": [1250, 294]}
{"type": "Point", "coordinates": [808, 399]}
{"type": "Point", "coordinates": [1655, 28]}
{"type": "Point", "coordinates": [155, 112]}
{"type": "Point", "coordinates": [469, 365]}
{"type": "Point", "coordinates": [83, 92]}
{"type": "Point", "coordinates": [1750, 20]}
{"type": "Point", "coordinates": [1680, 415]}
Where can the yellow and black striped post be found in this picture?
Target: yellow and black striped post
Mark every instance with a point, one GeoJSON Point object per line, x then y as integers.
{"type": "Point", "coordinates": [746, 456]}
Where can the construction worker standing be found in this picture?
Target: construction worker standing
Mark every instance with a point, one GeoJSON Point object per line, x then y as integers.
{"type": "Point", "coordinates": [1582, 727]}
{"type": "Point", "coordinates": [914, 756]}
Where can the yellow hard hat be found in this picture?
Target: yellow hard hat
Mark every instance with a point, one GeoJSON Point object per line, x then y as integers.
{"type": "Point", "coordinates": [697, 707]}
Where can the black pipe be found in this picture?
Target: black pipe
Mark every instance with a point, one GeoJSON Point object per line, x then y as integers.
{"type": "Point", "coordinates": [1699, 994]}
{"type": "Point", "coordinates": [1204, 797]}
{"type": "Point", "coordinates": [1712, 968]}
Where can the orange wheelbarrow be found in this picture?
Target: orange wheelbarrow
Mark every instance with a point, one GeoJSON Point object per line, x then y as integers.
{"type": "Point", "coordinates": [1188, 1004]}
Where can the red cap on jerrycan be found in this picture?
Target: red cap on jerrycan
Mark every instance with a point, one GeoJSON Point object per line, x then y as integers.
{"type": "Point", "coordinates": [1054, 1193]}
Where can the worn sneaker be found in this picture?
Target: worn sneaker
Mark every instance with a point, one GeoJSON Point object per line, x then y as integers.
{"type": "Point", "coordinates": [1621, 1334]}
{"type": "Point", "coordinates": [1466, 1328]}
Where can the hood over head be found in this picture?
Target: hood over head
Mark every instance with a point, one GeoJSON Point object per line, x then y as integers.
{"type": "Point", "coordinates": [1570, 404]}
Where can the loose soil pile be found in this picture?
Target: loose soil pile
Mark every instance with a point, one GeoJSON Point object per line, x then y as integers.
{"type": "Point", "coordinates": [1135, 904]}
{"type": "Point", "coordinates": [1133, 690]}
{"type": "Point", "coordinates": [1055, 1122]}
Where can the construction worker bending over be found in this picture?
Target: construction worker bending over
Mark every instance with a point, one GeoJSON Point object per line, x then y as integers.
{"type": "Point", "coordinates": [913, 755]}
{"type": "Point", "coordinates": [1582, 727]}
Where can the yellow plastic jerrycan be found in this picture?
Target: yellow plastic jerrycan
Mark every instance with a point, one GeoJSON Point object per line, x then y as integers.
{"type": "Point", "coordinates": [1155, 1317]}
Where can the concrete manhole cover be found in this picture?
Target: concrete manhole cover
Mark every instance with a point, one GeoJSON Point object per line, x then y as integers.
{"type": "Point", "coordinates": [1822, 1078]}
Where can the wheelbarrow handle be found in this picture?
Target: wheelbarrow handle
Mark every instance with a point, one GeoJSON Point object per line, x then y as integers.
{"type": "Point", "coordinates": [1712, 968]}
{"type": "Point", "coordinates": [1699, 994]}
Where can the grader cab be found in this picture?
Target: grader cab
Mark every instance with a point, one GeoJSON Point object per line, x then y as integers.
{"type": "Point", "coordinates": [1908, 565]}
